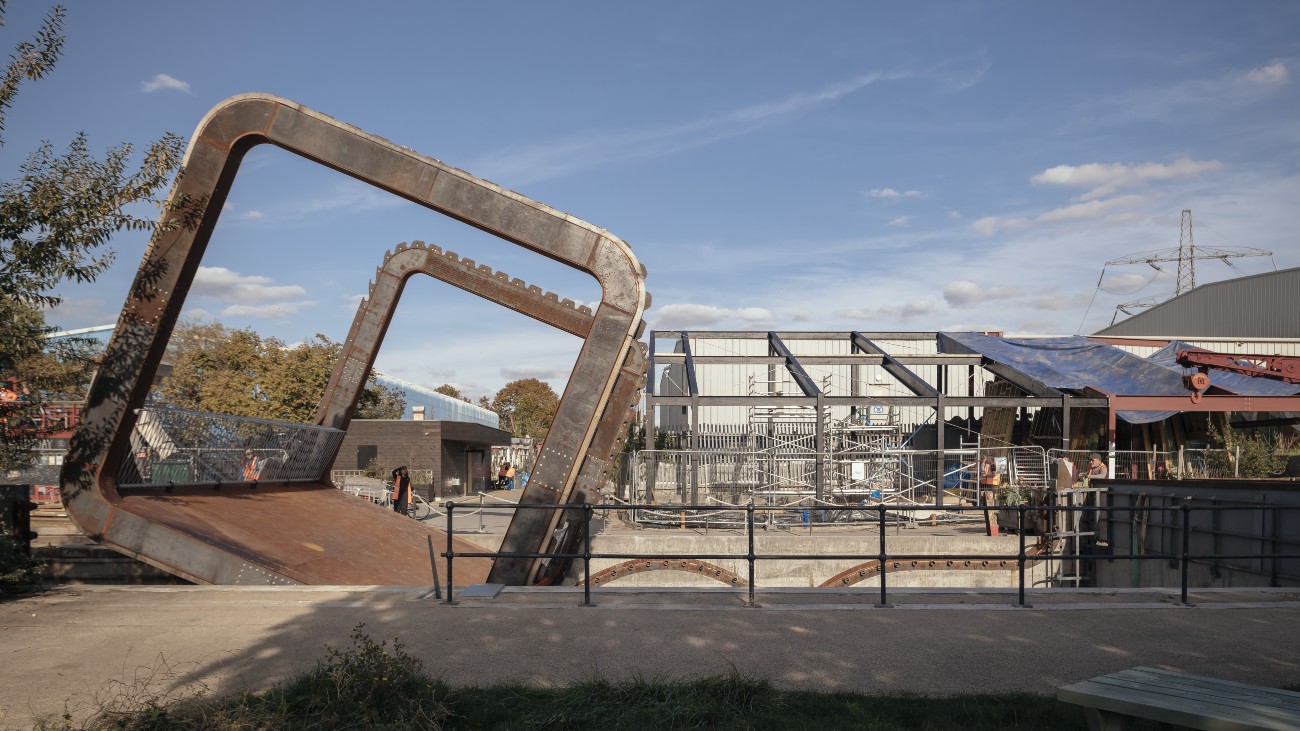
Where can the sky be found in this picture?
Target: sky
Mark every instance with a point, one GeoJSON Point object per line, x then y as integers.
{"type": "Point", "coordinates": [838, 166]}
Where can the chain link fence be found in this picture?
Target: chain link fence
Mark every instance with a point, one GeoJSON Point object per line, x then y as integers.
{"type": "Point", "coordinates": [172, 445]}
{"type": "Point", "coordinates": [1158, 465]}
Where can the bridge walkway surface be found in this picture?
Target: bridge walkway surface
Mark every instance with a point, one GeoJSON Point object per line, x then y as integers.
{"type": "Point", "coordinates": [62, 647]}
{"type": "Point", "coordinates": [307, 534]}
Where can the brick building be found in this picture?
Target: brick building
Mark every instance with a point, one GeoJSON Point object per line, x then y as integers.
{"type": "Point", "coordinates": [457, 454]}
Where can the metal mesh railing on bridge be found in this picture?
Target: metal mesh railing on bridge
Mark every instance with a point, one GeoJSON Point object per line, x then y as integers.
{"type": "Point", "coordinates": [171, 445]}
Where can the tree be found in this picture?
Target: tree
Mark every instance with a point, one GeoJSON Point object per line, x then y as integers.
{"type": "Point", "coordinates": [526, 407]}
{"type": "Point", "coordinates": [56, 219]}
{"type": "Point", "coordinates": [238, 372]}
{"type": "Point", "coordinates": [447, 389]}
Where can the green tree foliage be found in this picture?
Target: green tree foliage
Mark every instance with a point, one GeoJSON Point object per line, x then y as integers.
{"type": "Point", "coordinates": [447, 389]}
{"type": "Point", "coordinates": [56, 219]}
{"type": "Point", "coordinates": [238, 372]}
{"type": "Point", "coordinates": [57, 215]}
{"type": "Point", "coordinates": [526, 407]}
{"type": "Point", "coordinates": [1241, 454]}
{"type": "Point", "coordinates": [41, 372]}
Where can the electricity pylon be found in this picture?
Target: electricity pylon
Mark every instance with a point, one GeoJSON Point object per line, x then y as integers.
{"type": "Point", "coordinates": [1186, 256]}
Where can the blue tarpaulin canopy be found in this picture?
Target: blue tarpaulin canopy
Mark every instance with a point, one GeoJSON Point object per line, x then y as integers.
{"type": "Point", "coordinates": [1074, 363]}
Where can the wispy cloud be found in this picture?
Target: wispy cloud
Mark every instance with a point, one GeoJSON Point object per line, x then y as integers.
{"type": "Point", "coordinates": [1274, 74]}
{"type": "Point", "coordinates": [687, 316]}
{"type": "Point", "coordinates": [900, 222]}
{"type": "Point", "coordinates": [1092, 209]}
{"type": "Point", "coordinates": [164, 82]}
{"type": "Point", "coordinates": [905, 311]}
{"type": "Point", "coordinates": [962, 293]}
{"type": "Point", "coordinates": [1105, 178]}
{"type": "Point", "coordinates": [268, 311]}
{"type": "Point", "coordinates": [891, 193]}
{"type": "Point", "coordinates": [521, 165]}
{"type": "Point", "coordinates": [1203, 97]}
{"type": "Point", "coordinates": [540, 372]}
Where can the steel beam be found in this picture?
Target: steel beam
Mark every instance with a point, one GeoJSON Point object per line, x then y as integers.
{"type": "Point", "coordinates": [692, 386]}
{"type": "Point", "coordinates": [905, 376]}
{"type": "Point", "coordinates": [830, 360]}
{"type": "Point", "coordinates": [801, 377]}
{"type": "Point", "coordinates": [1009, 402]}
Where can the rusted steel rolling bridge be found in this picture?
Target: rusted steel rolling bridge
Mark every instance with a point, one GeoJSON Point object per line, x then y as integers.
{"type": "Point", "coordinates": [298, 528]}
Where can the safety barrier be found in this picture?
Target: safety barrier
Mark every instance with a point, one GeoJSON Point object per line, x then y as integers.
{"type": "Point", "coordinates": [1157, 465]}
{"type": "Point", "coordinates": [181, 446]}
{"type": "Point", "coordinates": [804, 482]}
{"type": "Point", "coordinates": [887, 561]}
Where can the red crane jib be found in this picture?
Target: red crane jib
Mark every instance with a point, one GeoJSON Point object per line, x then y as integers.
{"type": "Point", "coordinates": [1279, 367]}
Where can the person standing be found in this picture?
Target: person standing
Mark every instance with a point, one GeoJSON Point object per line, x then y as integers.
{"type": "Point", "coordinates": [510, 476]}
{"type": "Point", "coordinates": [501, 475]}
{"type": "Point", "coordinates": [401, 489]}
{"type": "Point", "coordinates": [1096, 468]}
{"type": "Point", "coordinates": [252, 466]}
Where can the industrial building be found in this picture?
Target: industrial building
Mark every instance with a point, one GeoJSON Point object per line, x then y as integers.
{"type": "Point", "coordinates": [852, 416]}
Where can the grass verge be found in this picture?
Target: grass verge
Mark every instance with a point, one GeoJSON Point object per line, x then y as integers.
{"type": "Point", "coordinates": [375, 685]}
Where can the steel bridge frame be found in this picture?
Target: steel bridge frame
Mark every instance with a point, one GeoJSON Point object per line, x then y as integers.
{"type": "Point", "coordinates": [608, 372]}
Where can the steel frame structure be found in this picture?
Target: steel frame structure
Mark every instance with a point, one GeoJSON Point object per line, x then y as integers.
{"type": "Point", "coordinates": [864, 350]}
{"type": "Point", "coordinates": [606, 376]}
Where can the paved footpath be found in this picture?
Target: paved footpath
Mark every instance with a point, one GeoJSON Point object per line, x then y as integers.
{"type": "Point", "coordinates": [62, 648]}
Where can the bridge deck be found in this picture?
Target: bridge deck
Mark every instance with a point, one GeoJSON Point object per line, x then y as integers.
{"type": "Point", "coordinates": [310, 534]}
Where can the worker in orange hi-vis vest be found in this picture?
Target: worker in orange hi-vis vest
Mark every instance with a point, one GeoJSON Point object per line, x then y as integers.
{"type": "Point", "coordinates": [252, 466]}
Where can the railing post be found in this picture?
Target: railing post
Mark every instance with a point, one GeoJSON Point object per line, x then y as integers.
{"type": "Point", "coordinates": [749, 528]}
{"type": "Point", "coordinates": [586, 554]}
{"type": "Point", "coordinates": [481, 495]}
{"type": "Point", "coordinates": [451, 553]}
{"type": "Point", "coordinates": [1020, 560]}
{"type": "Point", "coordinates": [884, 596]}
{"type": "Point", "coordinates": [1187, 540]}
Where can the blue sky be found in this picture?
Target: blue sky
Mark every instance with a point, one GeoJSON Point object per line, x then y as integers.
{"type": "Point", "coordinates": [870, 166]}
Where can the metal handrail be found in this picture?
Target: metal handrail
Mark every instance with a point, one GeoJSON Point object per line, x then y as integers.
{"type": "Point", "coordinates": [1021, 556]}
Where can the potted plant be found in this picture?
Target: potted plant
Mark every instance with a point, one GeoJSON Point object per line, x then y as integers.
{"type": "Point", "coordinates": [1009, 497]}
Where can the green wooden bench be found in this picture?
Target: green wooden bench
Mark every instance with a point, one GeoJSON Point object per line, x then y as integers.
{"type": "Point", "coordinates": [1189, 701]}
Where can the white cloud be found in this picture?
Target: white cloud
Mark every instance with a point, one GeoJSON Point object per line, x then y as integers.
{"type": "Point", "coordinates": [74, 313]}
{"type": "Point", "coordinates": [164, 82]}
{"type": "Point", "coordinates": [1105, 178]}
{"type": "Point", "coordinates": [1091, 209]}
{"type": "Point", "coordinates": [688, 316]}
{"type": "Point", "coordinates": [901, 221]}
{"type": "Point", "coordinates": [197, 313]}
{"type": "Point", "coordinates": [223, 283]}
{"type": "Point", "coordinates": [1274, 74]}
{"type": "Point", "coordinates": [352, 301]}
{"type": "Point", "coordinates": [267, 311]}
{"type": "Point", "coordinates": [891, 193]}
{"type": "Point", "coordinates": [540, 372]}
{"type": "Point", "coordinates": [986, 226]}
{"type": "Point", "coordinates": [962, 293]}
{"type": "Point", "coordinates": [905, 311]}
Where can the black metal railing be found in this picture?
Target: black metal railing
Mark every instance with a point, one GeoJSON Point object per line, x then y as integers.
{"type": "Point", "coordinates": [1184, 557]}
